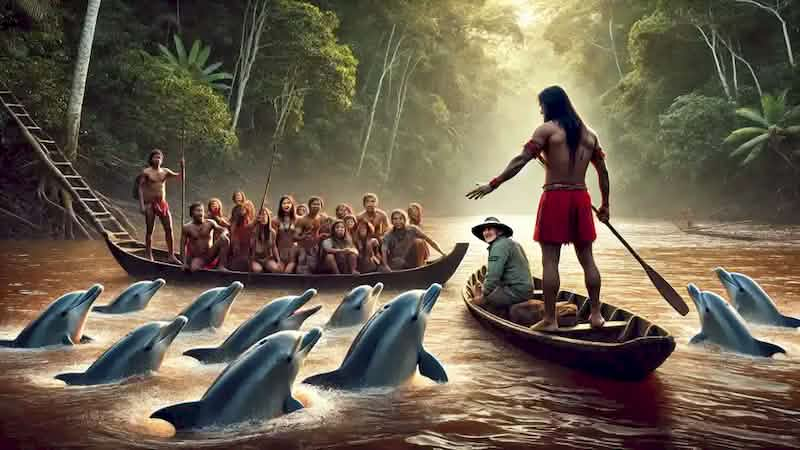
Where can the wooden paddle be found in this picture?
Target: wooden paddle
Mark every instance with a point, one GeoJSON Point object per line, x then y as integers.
{"type": "Point", "coordinates": [183, 180]}
{"type": "Point", "coordinates": [665, 289]}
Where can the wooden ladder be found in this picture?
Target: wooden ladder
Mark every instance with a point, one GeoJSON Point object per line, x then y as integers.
{"type": "Point", "coordinates": [89, 205]}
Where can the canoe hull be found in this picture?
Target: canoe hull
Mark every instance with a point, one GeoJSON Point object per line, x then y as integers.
{"type": "Point", "coordinates": [438, 271]}
{"type": "Point", "coordinates": [629, 354]}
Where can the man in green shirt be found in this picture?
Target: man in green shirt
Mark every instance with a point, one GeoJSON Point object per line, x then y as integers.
{"type": "Point", "coordinates": [508, 276]}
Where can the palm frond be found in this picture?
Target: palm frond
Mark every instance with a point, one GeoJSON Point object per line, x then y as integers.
{"type": "Point", "coordinates": [749, 144]}
{"type": "Point", "coordinates": [192, 61]}
{"type": "Point", "coordinates": [219, 76]}
{"type": "Point", "coordinates": [754, 154]}
{"type": "Point", "coordinates": [220, 86]}
{"type": "Point", "coordinates": [202, 58]}
{"type": "Point", "coordinates": [774, 107]}
{"type": "Point", "coordinates": [752, 114]}
{"type": "Point", "coordinates": [744, 133]}
{"type": "Point", "coordinates": [212, 68]}
{"type": "Point", "coordinates": [793, 130]}
{"type": "Point", "coordinates": [168, 54]}
{"type": "Point", "coordinates": [180, 49]}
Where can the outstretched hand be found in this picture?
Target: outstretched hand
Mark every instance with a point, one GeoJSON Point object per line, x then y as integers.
{"type": "Point", "coordinates": [480, 191]}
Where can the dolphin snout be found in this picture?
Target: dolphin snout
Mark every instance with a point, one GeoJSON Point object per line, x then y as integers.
{"type": "Point", "coordinates": [695, 294]}
{"type": "Point", "coordinates": [377, 289]}
{"type": "Point", "coordinates": [90, 295]}
{"type": "Point", "coordinates": [169, 332]}
{"type": "Point", "coordinates": [310, 339]}
{"type": "Point", "coordinates": [429, 298]}
{"type": "Point", "coordinates": [725, 277]}
{"type": "Point", "coordinates": [231, 292]}
{"type": "Point", "coordinates": [158, 284]}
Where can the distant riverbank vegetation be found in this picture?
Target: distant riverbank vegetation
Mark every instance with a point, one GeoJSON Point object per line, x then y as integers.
{"type": "Point", "coordinates": [696, 101]}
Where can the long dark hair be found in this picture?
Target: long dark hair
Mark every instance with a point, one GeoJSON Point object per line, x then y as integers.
{"type": "Point", "coordinates": [291, 213]}
{"type": "Point", "coordinates": [557, 107]}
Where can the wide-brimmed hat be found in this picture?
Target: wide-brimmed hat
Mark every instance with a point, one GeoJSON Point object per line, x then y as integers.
{"type": "Point", "coordinates": [490, 221]}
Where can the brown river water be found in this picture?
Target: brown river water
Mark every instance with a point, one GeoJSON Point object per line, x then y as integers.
{"type": "Point", "coordinates": [497, 397]}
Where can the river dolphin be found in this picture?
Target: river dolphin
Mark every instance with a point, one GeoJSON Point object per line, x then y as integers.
{"type": "Point", "coordinates": [134, 298]}
{"type": "Point", "coordinates": [62, 322]}
{"type": "Point", "coordinates": [388, 349]}
{"type": "Point", "coordinates": [357, 306]}
{"type": "Point", "coordinates": [751, 301]}
{"type": "Point", "coordinates": [256, 386]}
{"type": "Point", "coordinates": [211, 307]}
{"type": "Point", "coordinates": [722, 325]}
{"type": "Point", "coordinates": [278, 315]}
{"type": "Point", "coordinates": [138, 353]}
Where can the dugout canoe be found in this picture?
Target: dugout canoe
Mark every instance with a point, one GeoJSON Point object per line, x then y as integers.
{"type": "Point", "coordinates": [130, 255]}
{"type": "Point", "coordinates": [629, 347]}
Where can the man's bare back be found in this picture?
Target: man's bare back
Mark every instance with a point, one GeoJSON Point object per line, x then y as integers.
{"type": "Point", "coordinates": [553, 140]}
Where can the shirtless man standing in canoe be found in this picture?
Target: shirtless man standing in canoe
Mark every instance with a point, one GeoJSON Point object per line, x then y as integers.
{"type": "Point", "coordinates": [197, 250]}
{"type": "Point", "coordinates": [153, 201]}
{"type": "Point", "coordinates": [374, 215]}
{"type": "Point", "coordinates": [567, 147]}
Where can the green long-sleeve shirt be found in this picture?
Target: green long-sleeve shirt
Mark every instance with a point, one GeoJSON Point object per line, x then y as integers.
{"type": "Point", "coordinates": [508, 266]}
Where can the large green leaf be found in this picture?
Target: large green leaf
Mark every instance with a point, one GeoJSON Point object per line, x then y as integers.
{"type": "Point", "coordinates": [793, 130]}
{"type": "Point", "coordinates": [774, 107]}
{"type": "Point", "coordinates": [744, 133]}
{"type": "Point", "coordinates": [202, 58]}
{"type": "Point", "coordinates": [750, 144]}
{"type": "Point", "coordinates": [167, 54]}
{"type": "Point", "coordinates": [212, 68]}
{"type": "Point", "coordinates": [219, 76]}
{"type": "Point", "coordinates": [181, 50]}
{"type": "Point", "coordinates": [192, 61]}
{"type": "Point", "coordinates": [754, 154]}
{"type": "Point", "coordinates": [752, 114]}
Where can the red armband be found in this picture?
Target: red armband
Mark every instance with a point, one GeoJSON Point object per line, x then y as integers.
{"type": "Point", "coordinates": [533, 148]}
{"type": "Point", "coordinates": [494, 183]}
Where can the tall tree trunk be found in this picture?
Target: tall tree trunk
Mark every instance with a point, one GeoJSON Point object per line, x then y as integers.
{"type": "Point", "coordinates": [738, 57]}
{"type": "Point", "coordinates": [387, 63]}
{"type": "Point", "coordinates": [79, 79]}
{"type": "Point", "coordinates": [402, 93]}
{"type": "Point", "coordinates": [775, 12]}
{"type": "Point", "coordinates": [712, 45]}
{"type": "Point", "coordinates": [255, 16]}
{"type": "Point", "coordinates": [614, 46]}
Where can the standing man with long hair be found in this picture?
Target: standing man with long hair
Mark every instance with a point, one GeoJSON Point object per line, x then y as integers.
{"type": "Point", "coordinates": [566, 146]}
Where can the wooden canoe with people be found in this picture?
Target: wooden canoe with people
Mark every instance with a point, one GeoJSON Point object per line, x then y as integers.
{"type": "Point", "coordinates": [130, 255]}
{"type": "Point", "coordinates": [628, 347]}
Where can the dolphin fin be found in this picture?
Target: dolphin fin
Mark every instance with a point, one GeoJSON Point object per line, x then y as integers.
{"type": "Point", "coordinates": [790, 322]}
{"type": "Point", "coordinates": [205, 355]}
{"type": "Point", "coordinates": [7, 343]}
{"type": "Point", "coordinates": [86, 339]}
{"type": "Point", "coordinates": [291, 404]}
{"type": "Point", "coordinates": [430, 367]}
{"type": "Point", "coordinates": [332, 379]}
{"type": "Point", "coordinates": [71, 378]}
{"type": "Point", "coordinates": [767, 349]}
{"type": "Point", "coordinates": [66, 340]}
{"type": "Point", "coordinates": [182, 415]}
{"type": "Point", "coordinates": [698, 338]}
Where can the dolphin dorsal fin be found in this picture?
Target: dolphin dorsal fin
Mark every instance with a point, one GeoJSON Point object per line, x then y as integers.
{"type": "Point", "coordinates": [182, 415]}
{"type": "Point", "coordinates": [767, 349]}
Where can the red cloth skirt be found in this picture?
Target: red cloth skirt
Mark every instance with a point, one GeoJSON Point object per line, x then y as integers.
{"type": "Point", "coordinates": [565, 216]}
{"type": "Point", "coordinates": [160, 208]}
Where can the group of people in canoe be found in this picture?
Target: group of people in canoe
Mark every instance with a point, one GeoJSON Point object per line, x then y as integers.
{"type": "Point", "coordinates": [299, 238]}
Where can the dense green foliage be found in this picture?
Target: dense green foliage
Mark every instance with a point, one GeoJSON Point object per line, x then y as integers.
{"type": "Point", "coordinates": [670, 112]}
{"type": "Point", "coordinates": [460, 88]}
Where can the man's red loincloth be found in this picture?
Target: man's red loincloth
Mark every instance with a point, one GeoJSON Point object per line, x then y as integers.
{"type": "Point", "coordinates": [160, 207]}
{"type": "Point", "coordinates": [565, 216]}
{"type": "Point", "coordinates": [210, 265]}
